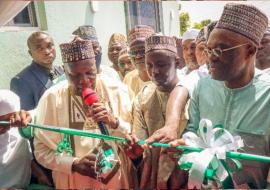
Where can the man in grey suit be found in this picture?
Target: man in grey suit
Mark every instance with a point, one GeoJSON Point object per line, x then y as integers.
{"type": "Point", "coordinates": [36, 78]}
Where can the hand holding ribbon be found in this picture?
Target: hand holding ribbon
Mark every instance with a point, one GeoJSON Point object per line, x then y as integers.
{"type": "Point", "coordinates": [215, 141]}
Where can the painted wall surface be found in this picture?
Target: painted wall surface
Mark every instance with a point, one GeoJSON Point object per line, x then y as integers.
{"type": "Point", "coordinates": [13, 55]}
{"type": "Point", "coordinates": [170, 18]}
{"type": "Point", "coordinates": [62, 18]}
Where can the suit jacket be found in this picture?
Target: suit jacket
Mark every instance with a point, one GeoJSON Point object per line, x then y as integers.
{"type": "Point", "coordinates": [31, 83]}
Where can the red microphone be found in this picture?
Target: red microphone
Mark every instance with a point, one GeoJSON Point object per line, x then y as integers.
{"type": "Point", "coordinates": [89, 97]}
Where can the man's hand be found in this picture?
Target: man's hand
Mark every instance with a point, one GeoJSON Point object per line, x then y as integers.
{"type": "Point", "coordinates": [132, 149]}
{"type": "Point", "coordinates": [163, 135]}
{"type": "Point", "coordinates": [85, 166]}
{"type": "Point", "coordinates": [174, 109]}
{"type": "Point", "coordinates": [20, 119]}
{"type": "Point", "coordinates": [16, 119]}
{"type": "Point", "coordinates": [3, 129]}
{"type": "Point", "coordinates": [100, 114]}
{"type": "Point", "coordinates": [177, 142]}
{"type": "Point", "coordinates": [173, 152]}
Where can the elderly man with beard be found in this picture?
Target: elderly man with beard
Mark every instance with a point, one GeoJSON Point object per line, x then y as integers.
{"type": "Point", "coordinates": [63, 106]}
{"type": "Point", "coordinates": [158, 170]}
{"type": "Point", "coordinates": [236, 95]}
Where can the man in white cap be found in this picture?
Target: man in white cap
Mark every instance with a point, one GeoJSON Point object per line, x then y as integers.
{"type": "Point", "coordinates": [15, 155]}
{"type": "Point", "coordinates": [189, 47]}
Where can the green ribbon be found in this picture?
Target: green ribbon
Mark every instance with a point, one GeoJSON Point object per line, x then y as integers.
{"type": "Point", "coordinates": [67, 131]}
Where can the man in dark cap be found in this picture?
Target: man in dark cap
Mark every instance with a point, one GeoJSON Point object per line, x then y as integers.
{"type": "Point", "coordinates": [236, 95]}
{"type": "Point", "coordinates": [124, 62]}
{"type": "Point", "coordinates": [137, 78]}
{"type": "Point", "coordinates": [88, 32]}
{"type": "Point", "coordinates": [63, 106]}
{"type": "Point", "coordinates": [149, 109]}
{"type": "Point", "coordinates": [179, 96]}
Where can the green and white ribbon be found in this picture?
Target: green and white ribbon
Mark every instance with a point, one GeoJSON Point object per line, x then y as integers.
{"type": "Point", "coordinates": [215, 142]}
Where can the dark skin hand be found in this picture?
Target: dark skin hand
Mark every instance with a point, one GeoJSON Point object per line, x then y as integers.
{"type": "Point", "coordinates": [17, 119]}
{"type": "Point", "coordinates": [85, 166]}
{"type": "Point", "coordinates": [132, 149]}
{"type": "Point", "coordinates": [175, 108]}
{"type": "Point", "coordinates": [99, 113]}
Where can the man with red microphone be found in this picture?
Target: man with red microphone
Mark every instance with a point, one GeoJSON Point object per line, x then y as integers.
{"type": "Point", "coordinates": [64, 106]}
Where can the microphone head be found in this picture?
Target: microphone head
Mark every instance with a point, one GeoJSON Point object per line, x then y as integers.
{"type": "Point", "coordinates": [89, 96]}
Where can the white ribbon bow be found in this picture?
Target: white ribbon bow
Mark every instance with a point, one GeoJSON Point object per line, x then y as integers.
{"type": "Point", "coordinates": [215, 142]}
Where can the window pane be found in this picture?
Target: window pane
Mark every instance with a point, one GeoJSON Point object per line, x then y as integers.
{"type": "Point", "coordinates": [26, 18]}
{"type": "Point", "coordinates": [143, 12]}
{"type": "Point", "coordinates": [22, 17]}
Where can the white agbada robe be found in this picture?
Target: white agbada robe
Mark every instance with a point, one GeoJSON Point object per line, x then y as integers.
{"type": "Point", "coordinates": [15, 155]}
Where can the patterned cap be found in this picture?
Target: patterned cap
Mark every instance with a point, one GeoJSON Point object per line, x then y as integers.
{"type": "Point", "coordinates": [123, 53]}
{"type": "Point", "coordinates": [139, 33]}
{"type": "Point", "coordinates": [178, 41]}
{"type": "Point", "coordinates": [77, 50]}
{"type": "Point", "coordinates": [246, 20]}
{"type": "Point", "coordinates": [210, 27]}
{"type": "Point", "coordinates": [160, 42]}
{"type": "Point", "coordinates": [86, 32]}
{"type": "Point", "coordinates": [201, 35]}
{"type": "Point", "coordinates": [118, 38]}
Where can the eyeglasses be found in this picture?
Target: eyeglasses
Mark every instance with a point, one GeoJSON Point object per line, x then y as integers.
{"type": "Point", "coordinates": [137, 53]}
{"type": "Point", "coordinates": [218, 51]}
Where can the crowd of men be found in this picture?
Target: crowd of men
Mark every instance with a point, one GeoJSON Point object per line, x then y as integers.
{"type": "Point", "coordinates": [157, 89]}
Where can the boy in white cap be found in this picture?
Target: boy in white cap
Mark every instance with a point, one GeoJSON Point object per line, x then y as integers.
{"type": "Point", "coordinates": [15, 155]}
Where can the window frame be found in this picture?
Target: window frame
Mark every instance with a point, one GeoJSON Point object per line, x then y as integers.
{"type": "Point", "coordinates": [33, 17]}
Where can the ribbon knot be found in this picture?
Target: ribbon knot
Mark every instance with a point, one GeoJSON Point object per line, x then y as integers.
{"type": "Point", "coordinates": [208, 164]}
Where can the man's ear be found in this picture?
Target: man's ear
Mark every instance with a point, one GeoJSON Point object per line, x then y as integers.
{"type": "Point", "coordinates": [177, 61]}
{"type": "Point", "coordinates": [30, 53]}
{"type": "Point", "coordinates": [251, 50]}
